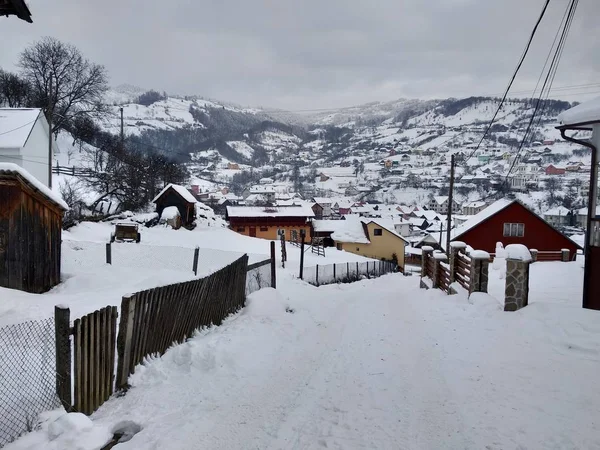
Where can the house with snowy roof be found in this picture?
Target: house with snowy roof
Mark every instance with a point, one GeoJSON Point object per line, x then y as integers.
{"type": "Point", "coordinates": [511, 222]}
{"type": "Point", "coordinates": [325, 206]}
{"type": "Point", "coordinates": [24, 136]}
{"type": "Point", "coordinates": [267, 222]}
{"type": "Point", "coordinates": [560, 217]}
{"type": "Point", "coordinates": [472, 208]}
{"type": "Point", "coordinates": [176, 196]}
{"type": "Point", "coordinates": [439, 204]}
{"type": "Point", "coordinates": [372, 238]}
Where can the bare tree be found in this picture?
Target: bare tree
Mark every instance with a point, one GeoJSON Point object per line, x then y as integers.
{"type": "Point", "coordinates": [78, 85]}
{"type": "Point", "coordinates": [14, 91]}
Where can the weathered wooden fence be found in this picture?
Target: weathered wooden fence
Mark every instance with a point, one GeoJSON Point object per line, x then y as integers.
{"type": "Point", "coordinates": [94, 338]}
{"type": "Point", "coordinates": [151, 321]}
{"type": "Point", "coordinates": [154, 319]}
{"type": "Point", "coordinates": [347, 272]}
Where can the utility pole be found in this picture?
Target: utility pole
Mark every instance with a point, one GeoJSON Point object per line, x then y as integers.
{"type": "Point", "coordinates": [122, 133]}
{"type": "Point", "coordinates": [450, 201]}
{"type": "Point", "coordinates": [50, 113]}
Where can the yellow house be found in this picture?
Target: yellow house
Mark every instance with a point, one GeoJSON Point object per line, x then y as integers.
{"type": "Point", "coordinates": [372, 238]}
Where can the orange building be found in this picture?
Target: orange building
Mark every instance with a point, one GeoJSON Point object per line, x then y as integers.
{"type": "Point", "coordinates": [266, 221]}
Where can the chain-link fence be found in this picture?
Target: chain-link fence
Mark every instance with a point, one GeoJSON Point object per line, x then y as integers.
{"type": "Point", "coordinates": [347, 272]}
{"type": "Point", "coordinates": [258, 276]}
{"type": "Point", "coordinates": [27, 376]}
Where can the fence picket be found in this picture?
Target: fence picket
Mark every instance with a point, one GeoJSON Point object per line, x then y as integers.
{"type": "Point", "coordinates": [77, 349]}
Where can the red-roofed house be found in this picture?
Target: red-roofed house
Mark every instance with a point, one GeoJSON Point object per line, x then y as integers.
{"type": "Point", "coordinates": [511, 222]}
{"type": "Point", "coordinates": [553, 170]}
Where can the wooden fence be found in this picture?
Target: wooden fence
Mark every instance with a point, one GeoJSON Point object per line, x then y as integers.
{"type": "Point", "coordinates": [151, 322]}
{"type": "Point", "coordinates": [549, 256]}
{"type": "Point", "coordinates": [154, 319]}
{"type": "Point", "coordinates": [73, 171]}
{"type": "Point", "coordinates": [462, 270]}
{"type": "Point", "coordinates": [443, 276]}
{"type": "Point", "coordinates": [94, 338]}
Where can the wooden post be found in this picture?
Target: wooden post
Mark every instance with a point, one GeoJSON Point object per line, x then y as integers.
{"type": "Point", "coordinates": [450, 200]}
{"type": "Point", "coordinates": [302, 235]}
{"type": "Point", "coordinates": [273, 267]}
{"type": "Point", "coordinates": [124, 341]}
{"type": "Point", "coordinates": [62, 333]}
{"type": "Point", "coordinates": [334, 280]}
{"type": "Point", "coordinates": [195, 264]}
{"type": "Point", "coordinates": [317, 276]}
{"type": "Point", "coordinates": [108, 253]}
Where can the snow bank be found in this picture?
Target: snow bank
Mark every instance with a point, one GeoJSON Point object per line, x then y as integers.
{"type": "Point", "coordinates": [169, 213]}
{"type": "Point", "coordinates": [479, 254]}
{"type": "Point", "coordinates": [518, 252]}
{"type": "Point", "coordinates": [458, 244]}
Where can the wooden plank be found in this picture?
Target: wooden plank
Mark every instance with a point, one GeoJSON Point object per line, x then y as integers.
{"type": "Point", "coordinates": [100, 358]}
{"type": "Point", "coordinates": [77, 363]}
{"type": "Point", "coordinates": [85, 357]}
{"type": "Point", "coordinates": [124, 340]}
{"type": "Point", "coordinates": [92, 363]}
{"type": "Point", "coordinates": [113, 348]}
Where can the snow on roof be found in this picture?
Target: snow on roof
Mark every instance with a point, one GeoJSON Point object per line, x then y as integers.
{"type": "Point", "coordinates": [440, 199]}
{"type": "Point", "coordinates": [386, 224]}
{"type": "Point", "coordinates": [582, 113]}
{"type": "Point", "coordinates": [10, 168]}
{"type": "Point", "coordinates": [323, 200]}
{"type": "Point", "coordinates": [488, 212]}
{"type": "Point", "coordinates": [557, 211]}
{"type": "Point", "coordinates": [350, 230]}
{"type": "Point", "coordinates": [269, 211]}
{"type": "Point", "coordinates": [429, 215]}
{"type": "Point", "coordinates": [187, 196]}
{"type": "Point", "coordinates": [15, 126]}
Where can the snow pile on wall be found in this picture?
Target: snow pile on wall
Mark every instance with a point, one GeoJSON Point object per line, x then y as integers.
{"type": "Point", "coordinates": [169, 213]}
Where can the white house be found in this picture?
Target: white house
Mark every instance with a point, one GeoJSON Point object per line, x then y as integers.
{"type": "Point", "coordinates": [439, 204]}
{"type": "Point", "coordinates": [326, 203]}
{"type": "Point", "coordinates": [559, 216]}
{"type": "Point", "coordinates": [472, 208]}
{"type": "Point", "coordinates": [24, 141]}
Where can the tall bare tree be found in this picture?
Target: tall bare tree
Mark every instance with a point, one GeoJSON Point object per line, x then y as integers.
{"type": "Point", "coordinates": [78, 85]}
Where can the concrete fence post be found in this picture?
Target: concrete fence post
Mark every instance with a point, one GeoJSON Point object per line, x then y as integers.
{"type": "Point", "coordinates": [516, 292]}
{"type": "Point", "coordinates": [565, 253]}
{"type": "Point", "coordinates": [534, 254]}
{"type": "Point", "coordinates": [455, 248]}
{"type": "Point", "coordinates": [480, 264]}
{"type": "Point", "coordinates": [426, 253]}
{"type": "Point", "coordinates": [438, 257]}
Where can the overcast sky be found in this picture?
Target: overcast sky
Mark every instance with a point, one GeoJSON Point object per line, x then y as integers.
{"type": "Point", "coordinates": [306, 54]}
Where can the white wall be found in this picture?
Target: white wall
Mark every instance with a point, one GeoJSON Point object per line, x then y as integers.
{"type": "Point", "coordinates": [35, 151]}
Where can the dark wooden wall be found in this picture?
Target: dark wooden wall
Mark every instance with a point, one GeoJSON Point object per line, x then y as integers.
{"type": "Point", "coordinates": [30, 239]}
{"type": "Point", "coordinates": [172, 198]}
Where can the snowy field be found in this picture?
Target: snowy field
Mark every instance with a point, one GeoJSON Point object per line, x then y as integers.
{"type": "Point", "coordinates": [164, 256]}
{"type": "Point", "coordinates": [375, 364]}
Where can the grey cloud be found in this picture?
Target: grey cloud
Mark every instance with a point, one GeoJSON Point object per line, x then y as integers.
{"type": "Point", "coordinates": [314, 53]}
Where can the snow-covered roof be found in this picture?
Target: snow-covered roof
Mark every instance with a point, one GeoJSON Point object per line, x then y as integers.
{"type": "Point", "coordinates": [386, 224]}
{"type": "Point", "coordinates": [488, 212]}
{"type": "Point", "coordinates": [187, 196]}
{"type": "Point", "coordinates": [269, 211]}
{"type": "Point", "coordinates": [587, 112]}
{"type": "Point", "coordinates": [350, 230]}
{"type": "Point", "coordinates": [10, 168]}
{"type": "Point", "coordinates": [323, 200]}
{"type": "Point", "coordinates": [557, 211]}
{"type": "Point", "coordinates": [16, 125]}
{"type": "Point", "coordinates": [441, 199]}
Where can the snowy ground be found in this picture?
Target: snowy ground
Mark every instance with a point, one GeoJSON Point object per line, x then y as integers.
{"type": "Point", "coordinates": [374, 364]}
{"type": "Point", "coordinates": [164, 256]}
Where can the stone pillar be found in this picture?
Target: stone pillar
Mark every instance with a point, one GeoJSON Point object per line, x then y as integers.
{"type": "Point", "coordinates": [455, 248]}
{"type": "Point", "coordinates": [438, 257]}
{"type": "Point", "coordinates": [534, 253]}
{"type": "Point", "coordinates": [564, 257]}
{"type": "Point", "coordinates": [426, 252]}
{"type": "Point", "coordinates": [480, 264]}
{"type": "Point", "coordinates": [516, 293]}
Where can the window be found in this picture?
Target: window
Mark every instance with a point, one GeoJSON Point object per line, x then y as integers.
{"type": "Point", "coordinates": [241, 229]}
{"type": "Point", "coordinates": [264, 228]}
{"type": "Point", "coordinates": [514, 229]}
{"type": "Point", "coordinates": [378, 232]}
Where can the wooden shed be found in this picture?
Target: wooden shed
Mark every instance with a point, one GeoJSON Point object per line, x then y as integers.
{"type": "Point", "coordinates": [30, 231]}
{"type": "Point", "coordinates": [176, 195]}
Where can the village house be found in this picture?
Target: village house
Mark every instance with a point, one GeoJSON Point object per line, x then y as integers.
{"type": "Point", "coordinates": [326, 204]}
{"type": "Point", "coordinates": [24, 141]}
{"type": "Point", "coordinates": [511, 222]}
{"type": "Point", "coordinates": [525, 175]}
{"type": "Point", "coordinates": [267, 222]}
{"type": "Point", "coordinates": [174, 195]}
{"type": "Point", "coordinates": [472, 208]}
{"type": "Point", "coordinates": [267, 192]}
{"type": "Point", "coordinates": [560, 217]}
{"type": "Point", "coordinates": [30, 231]}
{"type": "Point", "coordinates": [553, 170]}
{"type": "Point", "coordinates": [372, 238]}
{"type": "Point", "coordinates": [439, 204]}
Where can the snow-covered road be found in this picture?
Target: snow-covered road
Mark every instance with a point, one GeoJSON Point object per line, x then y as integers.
{"type": "Point", "coordinates": [378, 364]}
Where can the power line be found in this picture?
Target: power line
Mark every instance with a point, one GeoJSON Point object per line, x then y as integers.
{"type": "Point", "coordinates": [18, 128]}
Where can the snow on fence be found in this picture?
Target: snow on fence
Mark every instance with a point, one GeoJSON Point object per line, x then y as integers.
{"type": "Point", "coordinates": [27, 376]}
{"type": "Point", "coordinates": [346, 272]}
{"type": "Point", "coordinates": [259, 276]}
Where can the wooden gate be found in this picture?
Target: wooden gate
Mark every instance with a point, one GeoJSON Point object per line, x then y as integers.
{"type": "Point", "coordinates": [462, 270]}
{"type": "Point", "coordinates": [94, 343]}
